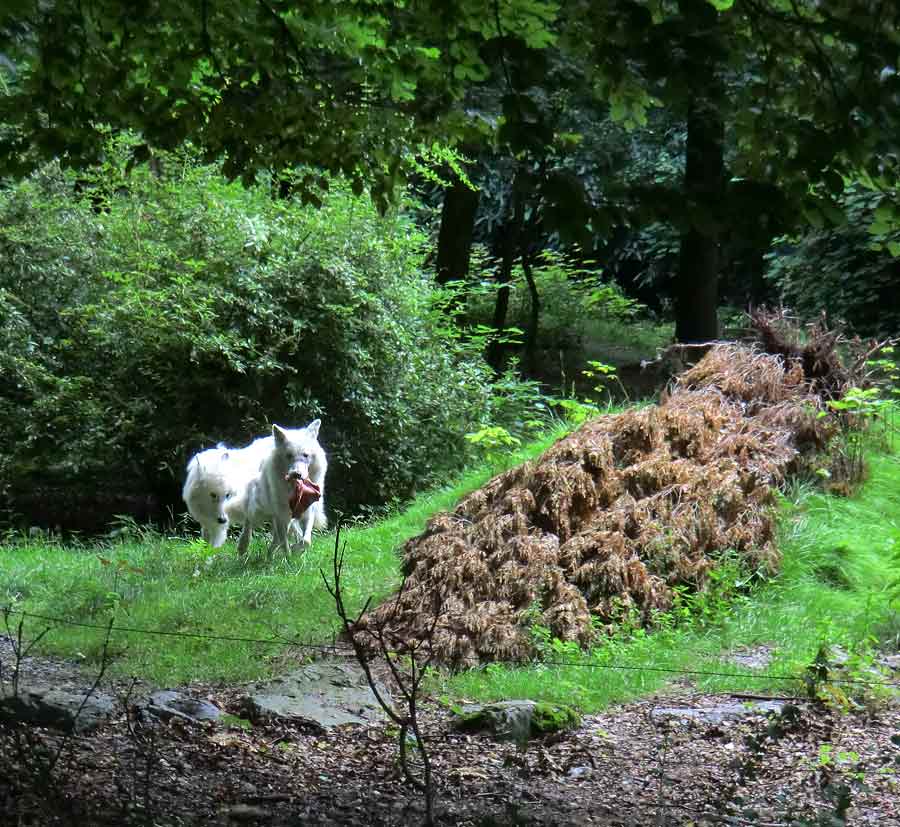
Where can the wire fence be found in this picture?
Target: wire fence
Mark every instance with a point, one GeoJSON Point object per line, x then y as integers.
{"type": "Point", "coordinates": [665, 759]}
{"type": "Point", "coordinates": [345, 650]}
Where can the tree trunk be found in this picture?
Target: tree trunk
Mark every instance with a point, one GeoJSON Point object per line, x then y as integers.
{"type": "Point", "coordinates": [531, 334]}
{"type": "Point", "coordinates": [455, 237]}
{"type": "Point", "coordinates": [510, 244]}
{"type": "Point", "coordinates": [697, 281]}
{"type": "Point", "coordinates": [697, 288]}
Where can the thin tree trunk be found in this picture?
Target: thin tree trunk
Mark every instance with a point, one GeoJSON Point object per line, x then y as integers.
{"type": "Point", "coordinates": [512, 232]}
{"type": "Point", "coordinates": [759, 291]}
{"type": "Point", "coordinates": [455, 237]}
{"type": "Point", "coordinates": [531, 334]}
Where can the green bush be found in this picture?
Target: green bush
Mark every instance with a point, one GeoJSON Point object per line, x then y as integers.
{"type": "Point", "coordinates": [846, 270]}
{"type": "Point", "coordinates": [145, 315]}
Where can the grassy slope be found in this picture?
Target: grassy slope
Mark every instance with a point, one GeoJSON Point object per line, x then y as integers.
{"type": "Point", "coordinates": [839, 555]}
{"type": "Point", "coordinates": [157, 582]}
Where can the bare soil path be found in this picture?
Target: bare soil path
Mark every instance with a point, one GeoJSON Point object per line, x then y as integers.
{"type": "Point", "coordinates": [671, 759]}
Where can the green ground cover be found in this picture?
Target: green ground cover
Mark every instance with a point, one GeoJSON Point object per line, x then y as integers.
{"type": "Point", "coordinates": [838, 586]}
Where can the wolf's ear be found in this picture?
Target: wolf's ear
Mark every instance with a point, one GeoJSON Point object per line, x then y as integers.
{"type": "Point", "coordinates": [313, 427]}
{"type": "Point", "coordinates": [279, 434]}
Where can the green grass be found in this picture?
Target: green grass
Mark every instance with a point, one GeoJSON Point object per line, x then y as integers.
{"type": "Point", "coordinates": [149, 581]}
{"type": "Point", "coordinates": [841, 557]}
{"type": "Point", "coordinates": [839, 585]}
{"type": "Point", "coordinates": [640, 338]}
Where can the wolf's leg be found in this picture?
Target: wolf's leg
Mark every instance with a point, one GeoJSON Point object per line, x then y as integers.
{"type": "Point", "coordinates": [246, 534]}
{"type": "Point", "coordinates": [320, 521]}
{"type": "Point", "coordinates": [275, 542]}
{"type": "Point", "coordinates": [279, 536]}
{"type": "Point", "coordinates": [306, 522]}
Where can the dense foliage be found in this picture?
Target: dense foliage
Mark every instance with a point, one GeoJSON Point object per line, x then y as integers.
{"type": "Point", "coordinates": [354, 88]}
{"type": "Point", "coordinates": [573, 297]}
{"type": "Point", "coordinates": [145, 315]}
{"type": "Point", "coordinates": [850, 270]}
{"type": "Point", "coordinates": [152, 315]}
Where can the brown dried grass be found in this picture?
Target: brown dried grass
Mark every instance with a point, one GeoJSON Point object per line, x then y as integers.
{"type": "Point", "coordinates": [614, 515]}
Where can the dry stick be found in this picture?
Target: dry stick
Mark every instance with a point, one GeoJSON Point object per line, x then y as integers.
{"type": "Point", "coordinates": [417, 675]}
{"type": "Point", "coordinates": [20, 652]}
{"type": "Point", "coordinates": [132, 733]}
{"type": "Point", "coordinates": [149, 754]}
{"type": "Point", "coordinates": [104, 663]}
{"type": "Point", "coordinates": [408, 686]}
{"type": "Point", "coordinates": [150, 762]}
{"type": "Point", "coordinates": [24, 740]}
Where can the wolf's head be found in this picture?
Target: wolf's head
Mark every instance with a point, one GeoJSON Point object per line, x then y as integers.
{"type": "Point", "coordinates": [208, 490]}
{"type": "Point", "coordinates": [296, 450]}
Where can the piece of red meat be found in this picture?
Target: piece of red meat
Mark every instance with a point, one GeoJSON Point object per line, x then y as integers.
{"type": "Point", "coordinates": [305, 493]}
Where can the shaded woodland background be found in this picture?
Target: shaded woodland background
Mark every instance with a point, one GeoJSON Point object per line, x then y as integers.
{"type": "Point", "coordinates": [438, 217]}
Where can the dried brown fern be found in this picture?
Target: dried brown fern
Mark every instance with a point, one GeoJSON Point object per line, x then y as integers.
{"type": "Point", "coordinates": [618, 512]}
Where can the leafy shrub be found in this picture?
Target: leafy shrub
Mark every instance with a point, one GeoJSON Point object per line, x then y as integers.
{"type": "Point", "coordinates": [144, 316]}
{"type": "Point", "coordinates": [848, 270]}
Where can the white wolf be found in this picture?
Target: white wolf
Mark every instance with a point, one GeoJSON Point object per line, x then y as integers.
{"type": "Point", "coordinates": [295, 455]}
{"type": "Point", "coordinates": [217, 485]}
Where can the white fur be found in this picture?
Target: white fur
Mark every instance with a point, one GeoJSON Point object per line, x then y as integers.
{"type": "Point", "coordinates": [295, 453]}
{"type": "Point", "coordinates": [217, 485]}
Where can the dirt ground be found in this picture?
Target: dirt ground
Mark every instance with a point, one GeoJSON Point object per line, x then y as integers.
{"type": "Point", "coordinates": [663, 760]}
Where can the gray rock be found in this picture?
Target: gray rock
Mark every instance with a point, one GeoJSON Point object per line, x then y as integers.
{"type": "Point", "coordinates": [168, 703]}
{"type": "Point", "coordinates": [516, 720]}
{"type": "Point", "coordinates": [74, 711]}
{"type": "Point", "coordinates": [757, 657]}
{"type": "Point", "coordinates": [246, 812]}
{"type": "Point", "coordinates": [837, 655]}
{"type": "Point", "coordinates": [718, 713]}
{"type": "Point", "coordinates": [327, 693]}
{"type": "Point", "coordinates": [890, 661]}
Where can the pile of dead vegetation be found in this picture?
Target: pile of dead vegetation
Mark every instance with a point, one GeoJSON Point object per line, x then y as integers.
{"type": "Point", "coordinates": [618, 513]}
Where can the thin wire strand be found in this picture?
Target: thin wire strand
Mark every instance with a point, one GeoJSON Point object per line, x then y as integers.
{"type": "Point", "coordinates": [335, 649]}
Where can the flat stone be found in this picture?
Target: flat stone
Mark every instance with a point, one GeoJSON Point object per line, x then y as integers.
{"type": "Point", "coordinates": [70, 711]}
{"type": "Point", "coordinates": [504, 720]}
{"type": "Point", "coordinates": [328, 693]}
{"type": "Point", "coordinates": [720, 712]}
{"type": "Point", "coordinates": [757, 657]}
{"type": "Point", "coordinates": [515, 720]}
{"type": "Point", "coordinates": [167, 702]}
{"type": "Point", "coordinates": [890, 661]}
{"type": "Point", "coordinates": [246, 813]}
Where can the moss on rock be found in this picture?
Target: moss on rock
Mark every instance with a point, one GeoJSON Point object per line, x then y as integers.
{"type": "Point", "coordinates": [547, 718]}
